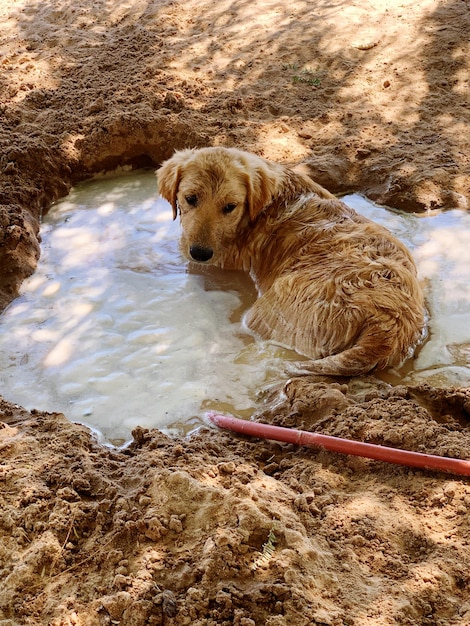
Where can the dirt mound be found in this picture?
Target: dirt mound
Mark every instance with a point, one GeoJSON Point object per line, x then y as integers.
{"type": "Point", "coordinates": [217, 529]}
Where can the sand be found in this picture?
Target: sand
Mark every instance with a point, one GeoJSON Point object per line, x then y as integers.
{"type": "Point", "coordinates": [217, 529]}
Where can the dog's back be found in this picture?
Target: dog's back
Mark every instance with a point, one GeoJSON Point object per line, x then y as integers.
{"type": "Point", "coordinates": [341, 287]}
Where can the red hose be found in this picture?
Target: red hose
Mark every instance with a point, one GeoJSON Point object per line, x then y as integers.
{"type": "Point", "coordinates": [344, 446]}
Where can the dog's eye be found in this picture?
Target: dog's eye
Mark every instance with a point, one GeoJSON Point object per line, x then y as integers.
{"type": "Point", "coordinates": [228, 208]}
{"type": "Point", "coordinates": [191, 200]}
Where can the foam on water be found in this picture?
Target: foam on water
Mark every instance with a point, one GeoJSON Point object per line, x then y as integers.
{"type": "Point", "coordinates": [115, 330]}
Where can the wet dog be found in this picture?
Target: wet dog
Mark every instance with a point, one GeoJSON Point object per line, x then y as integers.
{"type": "Point", "coordinates": [332, 285]}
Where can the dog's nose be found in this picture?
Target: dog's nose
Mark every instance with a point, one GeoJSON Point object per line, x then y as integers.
{"type": "Point", "coordinates": [201, 254]}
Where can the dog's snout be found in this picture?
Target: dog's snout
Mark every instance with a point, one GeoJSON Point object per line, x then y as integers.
{"type": "Point", "coordinates": [200, 253]}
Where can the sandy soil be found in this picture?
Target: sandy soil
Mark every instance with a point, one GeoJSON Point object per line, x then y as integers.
{"type": "Point", "coordinates": [217, 529]}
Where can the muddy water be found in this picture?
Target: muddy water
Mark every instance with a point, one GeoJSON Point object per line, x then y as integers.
{"type": "Point", "coordinates": [116, 330]}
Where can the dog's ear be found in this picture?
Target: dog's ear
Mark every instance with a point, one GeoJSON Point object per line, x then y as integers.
{"type": "Point", "coordinates": [169, 177]}
{"type": "Point", "coordinates": [262, 183]}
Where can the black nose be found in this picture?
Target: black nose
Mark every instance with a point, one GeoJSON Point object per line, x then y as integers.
{"type": "Point", "coordinates": [198, 253]}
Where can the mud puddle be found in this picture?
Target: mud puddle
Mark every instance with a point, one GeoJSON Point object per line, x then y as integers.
{"type": "Point", "coordinates": [116, 330]}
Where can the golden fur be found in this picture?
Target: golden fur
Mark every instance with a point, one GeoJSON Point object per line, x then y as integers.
{"type": "Point", "coordinates": [332, 285]}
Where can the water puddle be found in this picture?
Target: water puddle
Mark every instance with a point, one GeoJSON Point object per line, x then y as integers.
{"type": "Point", "coordinates": [116, 330]}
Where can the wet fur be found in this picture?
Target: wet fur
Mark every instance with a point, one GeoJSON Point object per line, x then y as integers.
{"type": "Point", "coordinates": [332, 285]}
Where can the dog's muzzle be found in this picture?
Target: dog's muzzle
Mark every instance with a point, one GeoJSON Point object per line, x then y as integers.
{"type": "Point", "coordinates": [201, 254]}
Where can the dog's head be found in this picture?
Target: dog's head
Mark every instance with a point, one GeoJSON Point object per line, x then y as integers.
{"type": "Point", "coordinates": [218, 192]}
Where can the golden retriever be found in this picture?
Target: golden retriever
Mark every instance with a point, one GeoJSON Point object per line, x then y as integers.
{"type": "Point", "coordinates": [332, 285]}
